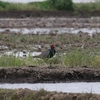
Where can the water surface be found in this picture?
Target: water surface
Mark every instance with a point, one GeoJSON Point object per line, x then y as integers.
{"type": "Point", "coordinates": [75, 87]}
{"type": "Point", "coordinates": [52, 30]}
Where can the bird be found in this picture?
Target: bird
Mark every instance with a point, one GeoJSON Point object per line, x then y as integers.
{"type": "Point", "coordinates": [49, 53]}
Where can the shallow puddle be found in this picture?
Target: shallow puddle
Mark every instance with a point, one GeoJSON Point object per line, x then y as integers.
{"type": "Point", "coordinates": [75, 87]}
{"type": "Point", "coordinates": [21, 54]}
{"type": "Point", "coordinates": [52, 30]}
{"type": "Point", "coordinates": [51, 25]}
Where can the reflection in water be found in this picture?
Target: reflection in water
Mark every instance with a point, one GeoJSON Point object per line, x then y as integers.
{"type": "Point", "coordinates": [75, 87]}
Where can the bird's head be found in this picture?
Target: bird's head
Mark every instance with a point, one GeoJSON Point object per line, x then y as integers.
{"type": "Point", "coordinates": [52, 46]}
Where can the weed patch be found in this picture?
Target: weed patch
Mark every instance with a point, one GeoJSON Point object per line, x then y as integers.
{"type": "Point", "coordinates": [26, 94]}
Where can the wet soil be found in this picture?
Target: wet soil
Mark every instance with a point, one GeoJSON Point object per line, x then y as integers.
{"type": "Point", "coordinates": [11, 39]}
{"type": "Point", "coordinates": [26, 94]}
{"type": "Point", "coordinates": [23, 14]}
{"type": "Point", "coordinates": [49, 22]}
{"type": "Point", "coordinates": [32, 74]}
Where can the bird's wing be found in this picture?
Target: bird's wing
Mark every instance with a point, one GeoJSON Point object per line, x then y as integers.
{"type": "Point", "coordinates": [45, 53]}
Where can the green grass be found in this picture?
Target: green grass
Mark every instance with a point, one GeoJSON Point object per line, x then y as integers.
{"type": "Point", "coordinates": [82, 58]}
{"type": "Point", "coordinates": [71, 44]}
{"type": "Point", "coordinates": [10, 61]}
{"type": "Point", "coordinates": [26, 41]}
{"type": "Point", "coordinates": [87, 6]}
{"type": "Point", "coordinates": [29, 6]}
{"type": "Point", "coordinates": [76, 57]}
{"type": "Point", "coordinates": [13, 61]}
{"type": "Point", "coordinates": [47, 6]}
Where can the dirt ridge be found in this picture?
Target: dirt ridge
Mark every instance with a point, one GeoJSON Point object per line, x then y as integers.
{"type": "Point", "coordinates": [36, 13]}
{"type": "Point", "coordinates": [33, 74]}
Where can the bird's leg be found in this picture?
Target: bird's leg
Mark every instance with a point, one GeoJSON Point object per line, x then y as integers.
{"type": "Point", "coordinates": [50, 65]}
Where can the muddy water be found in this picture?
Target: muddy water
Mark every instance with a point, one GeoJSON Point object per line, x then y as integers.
{"type": "Point", "coordinates": [52, 30]}
{"type": "Point", "coordinates": [48, 25]}
{"type": "Point", "coordinates": [21, 54]}
{"type": "Point", "coordinates": [75, 87]}
{"type": "Point", "coordinates": [24, 53]}
{"type": "Point", "coordinates": [51, 25]}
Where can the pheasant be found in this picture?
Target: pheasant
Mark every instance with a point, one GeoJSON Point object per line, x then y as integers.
{"type": "Point", "coordinates": [49, 53]}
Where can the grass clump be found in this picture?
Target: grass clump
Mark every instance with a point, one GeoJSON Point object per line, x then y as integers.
{"type": "Point", "coordinates": [28, 6]}
{"type": "Point", "coordinates": [10, 60]}
{"type": "Point", "coordinates": [87, 6]}
{"type": "Point", "coordinates": [40, 5]}
{"type": "Point", "coordinates": [13, 61]}
{"type": "Point", "coordinates": [61, 4]}
{"type": "Point", "coordinates": [3, 4]}
{"type": "Point", "coordinates": [82, 58]}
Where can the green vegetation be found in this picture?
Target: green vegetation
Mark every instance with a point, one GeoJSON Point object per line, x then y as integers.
{"type": "Point", "coordinates": [13, 61]}
{"type": "Point", "coordinates": [79, 50]}
{"type": "Point", "coordinates": [61, 4]}
{"type": "Point", "coordinates": [10, 61]}
{"type": "Point", "coordinates": [19, 6]}
{"type": "Point", "coordinates": [82, 58]}
{"type": "Point", "coordinates": [51, 5]}
{"type": "Point", "coordinates": [26, 94]}
{"type": "Point", "coordinates": [46, 5]}
{"type": "Point", "coordinates": [87, 6]}
{"type": "Point", "coordinates": [70, 41]}
{"type": "Point", "coordinates": [71, 58]}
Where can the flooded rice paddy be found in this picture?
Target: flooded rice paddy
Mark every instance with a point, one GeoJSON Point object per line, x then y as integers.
{"type": "Point", "coordinates": [51, 25]}
{"type": "Point", "coordinates": [4, 50]}
{"type": "Point", "coordinates": [22, 54]}
{"type": "Point", "coordinates": [74, 87]}
{"type": "Point", "coordinates": [52, 30]}
{"type": "Point", "coordinates": [46, 26]}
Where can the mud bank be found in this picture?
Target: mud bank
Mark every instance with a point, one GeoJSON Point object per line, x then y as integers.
{"type": "Point", "coordinates": [24, 14]}
{"type": "Point", "coordinates": [33, 74]}
{"type": "Point", "coordinates": [26, 94]}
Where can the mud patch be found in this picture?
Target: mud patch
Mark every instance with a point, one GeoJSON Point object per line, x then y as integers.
{"type": "Point", "coordinates": [23, 14]}
{"type": "Point", "coordinates": [33, 74]}
{"type": "Point", "coordinates": [26, 94]}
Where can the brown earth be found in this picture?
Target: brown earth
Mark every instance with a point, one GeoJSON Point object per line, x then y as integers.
{"type": "Point", "coordinates": [32, 74]}
{"type": "Point", "coordinates": [22, 14]}
{"type": "Point", "coordinates": [26, 94]}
